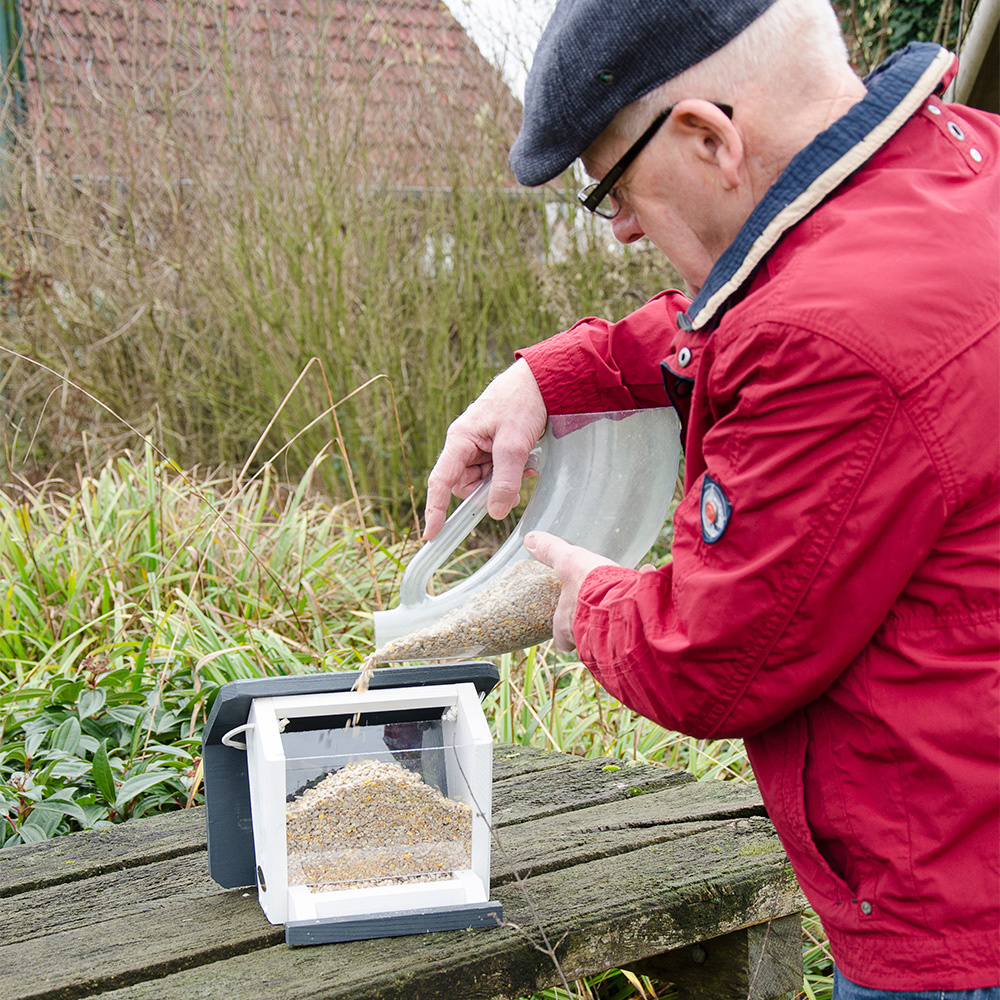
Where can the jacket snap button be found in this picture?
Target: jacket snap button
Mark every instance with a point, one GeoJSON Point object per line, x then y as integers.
{"type": "Point", "coordinates": [976, 155]}
{"type": "Point", "coordinates": [956, 131]}
{"type": "Point", "coordinates": [866, 907]}
{"type": "Point", "coordinates": [684, 357]}
{"type": "Point", "coordinates": [933, 109]}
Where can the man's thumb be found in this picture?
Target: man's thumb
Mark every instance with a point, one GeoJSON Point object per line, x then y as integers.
{"type": "Point", "coordinates": [539, 545]}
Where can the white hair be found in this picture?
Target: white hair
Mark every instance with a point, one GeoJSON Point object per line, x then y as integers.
{"type": "Point", "coordinates": [795, 45]}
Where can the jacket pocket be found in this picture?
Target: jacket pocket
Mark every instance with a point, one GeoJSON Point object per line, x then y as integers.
{"type": "Point", "coordinates": [778, 756]}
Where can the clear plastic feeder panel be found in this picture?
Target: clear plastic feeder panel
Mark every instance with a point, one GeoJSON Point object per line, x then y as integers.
{"type": "Point", "coordinates": [370, 803]}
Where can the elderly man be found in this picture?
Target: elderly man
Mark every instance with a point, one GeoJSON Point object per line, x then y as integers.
{"type": "Point", "coordinates": [833, 592]}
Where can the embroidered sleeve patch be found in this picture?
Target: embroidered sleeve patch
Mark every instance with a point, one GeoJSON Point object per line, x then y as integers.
{"type": "Point", "coordinates": [716, 510]}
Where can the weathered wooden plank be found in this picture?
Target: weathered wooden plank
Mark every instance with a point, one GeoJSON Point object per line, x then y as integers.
{"type": "Point", "coordinates": [511, 760]}
{"type": "Point", "coordinates": [530, 785]}
{"type": "Point", "coordinates": [85, 960]}
{"type": "Point", "coordinates": [138, 894]}
{"type": "Point", "coordinates": [533, 847]}
{"type": "Point", "coordinates": [514, 761]}
{"type": "Point", "coordinates": [610, 829]}
{"type": "Point", "coordinates": [758, 963]}
{"type": "Point", "coordinates": [608, 911]}
{"type": "Point", "coordinates": [84, 855]}
{"type": "Point", "coordinates": [670, 902]}
{"type": "Point", "coordinates": [579, 783]}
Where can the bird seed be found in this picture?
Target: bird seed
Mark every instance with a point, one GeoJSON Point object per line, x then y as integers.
{"type": "Point", "coordinates": [373, 822]}
{"type": "Point", "coordinates": [514, 613]}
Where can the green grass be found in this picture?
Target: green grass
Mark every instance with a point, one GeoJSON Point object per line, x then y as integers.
{"type": "Point", "coordinates": [128, 599]}
{"type": "Point", "coordinates": [126, 603]}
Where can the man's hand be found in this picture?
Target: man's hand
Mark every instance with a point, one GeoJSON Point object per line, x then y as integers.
{"type": "Point", "coordinates": [571, 564]}
{"type": "Point", "coordinates": [496, 433]}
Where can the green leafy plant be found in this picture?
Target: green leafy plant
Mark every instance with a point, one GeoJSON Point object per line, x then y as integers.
{"type": "Point", "coordinates": [128, 603]}
{"type": "Point", "coordinates": [93, 752]}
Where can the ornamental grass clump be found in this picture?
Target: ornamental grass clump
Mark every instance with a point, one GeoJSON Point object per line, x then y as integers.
{"type": "Point", "coordinates": [184, 242]}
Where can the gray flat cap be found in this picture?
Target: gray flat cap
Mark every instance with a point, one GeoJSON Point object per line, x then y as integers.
{"type": "Point", "coordinates": [596, 56]}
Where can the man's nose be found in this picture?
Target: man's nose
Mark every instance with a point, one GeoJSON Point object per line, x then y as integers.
{"type": "Point", "coordinates": [626, 226]}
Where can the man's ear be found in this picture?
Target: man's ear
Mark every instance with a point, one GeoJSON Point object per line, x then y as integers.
{"type": "Point", "coordinates": [714, 139]}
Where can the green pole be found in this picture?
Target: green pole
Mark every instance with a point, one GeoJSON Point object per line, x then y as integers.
{"type": "Point", "coordinates": [12, 77]}
{"type": "Point", "coordinates": [13, 109]}
{"type": "Point", "coordinates": [12, 68]}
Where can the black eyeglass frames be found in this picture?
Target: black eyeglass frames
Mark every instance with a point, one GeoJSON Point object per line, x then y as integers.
{"type": "Point", "coordinates": [599, 197]}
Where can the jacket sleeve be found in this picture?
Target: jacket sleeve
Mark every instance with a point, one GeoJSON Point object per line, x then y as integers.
{"type": "Point", "coordinates": [834, 503]}
{"type": "Point", "coordinates": [596, 366]}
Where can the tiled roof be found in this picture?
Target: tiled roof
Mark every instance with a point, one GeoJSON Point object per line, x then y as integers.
{"type": "Point", "coordinates": [400, 77]}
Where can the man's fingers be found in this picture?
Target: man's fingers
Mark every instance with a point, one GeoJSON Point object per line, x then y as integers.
{"type": "Point", "coordinates": [497, 431]}
{"type": "Point", "coordinates": [550, 550]}
{"type": "Point", "coordinates": [545, 547]}
{"type": "Point", "coordinates": [438, 498]}
{"type": "Point", "coordinates": [511, 448]}
{"type": "Point", "coordinates": [571, 564]}
{"type": "Point", "coordinates": [457, 471]}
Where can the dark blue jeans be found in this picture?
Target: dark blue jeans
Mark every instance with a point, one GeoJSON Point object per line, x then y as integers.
{"type": "Point", "coordinates": [844, 989]}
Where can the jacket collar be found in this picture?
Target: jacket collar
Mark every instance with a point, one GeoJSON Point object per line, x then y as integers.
{"type": "Point", "coordinates": [896, 90]}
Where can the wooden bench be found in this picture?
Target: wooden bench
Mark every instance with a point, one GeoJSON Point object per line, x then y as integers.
{"type": "Point", "coordinates": [622, 865]}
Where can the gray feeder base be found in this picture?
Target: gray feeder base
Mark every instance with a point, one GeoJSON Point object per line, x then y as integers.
{"type": "Point", "coordinates": [397, 924]}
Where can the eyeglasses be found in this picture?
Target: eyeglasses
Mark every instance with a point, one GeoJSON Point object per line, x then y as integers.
{"type": "Point", "coordinates": [599, 197]}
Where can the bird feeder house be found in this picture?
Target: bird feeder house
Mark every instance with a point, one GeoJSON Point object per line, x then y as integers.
{"type": "Point", "coordinates": [357, 814]}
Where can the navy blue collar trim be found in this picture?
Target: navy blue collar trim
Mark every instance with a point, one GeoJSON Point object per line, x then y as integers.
{"type": "Point", "coordinates": [895, 91]}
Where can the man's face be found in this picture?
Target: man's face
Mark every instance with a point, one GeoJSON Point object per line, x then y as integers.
{"type": "Point", "coordinates": [673, 194]}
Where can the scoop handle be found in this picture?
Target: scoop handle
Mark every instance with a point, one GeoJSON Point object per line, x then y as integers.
{"type": "Point", "coordinates": [430, 558]}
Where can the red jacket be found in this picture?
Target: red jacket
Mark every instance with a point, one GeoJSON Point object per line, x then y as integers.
{"type": "Point", "coordinates": [833, 593]}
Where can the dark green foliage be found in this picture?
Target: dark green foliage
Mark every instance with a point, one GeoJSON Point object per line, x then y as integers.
{"type": "Point", "coordinates": [877, 28]}
{"type": "Point", "coordinates": [93, 751]}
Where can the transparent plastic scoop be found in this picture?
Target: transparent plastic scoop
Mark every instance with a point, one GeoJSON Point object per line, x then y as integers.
{"type": "Point", "coordinates": [604, 481]}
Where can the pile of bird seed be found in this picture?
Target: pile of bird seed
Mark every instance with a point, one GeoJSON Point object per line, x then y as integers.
{"type": "Point", "coordinates": [371, 823]}
{"type": "Point", "coordinates": [514, 613]}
